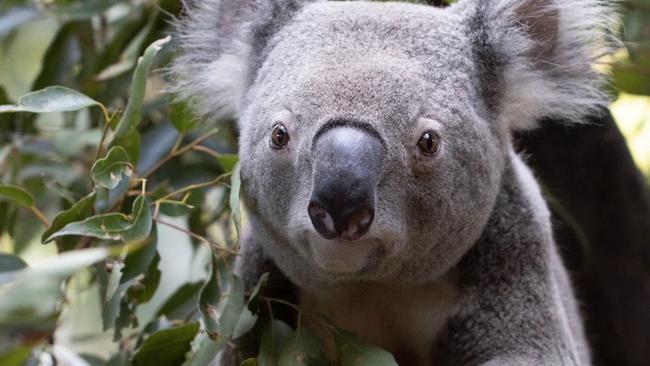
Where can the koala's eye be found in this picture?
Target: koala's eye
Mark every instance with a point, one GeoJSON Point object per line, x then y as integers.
{"type": "Point", "coordinates": [279, 136]}
{"type": "Point", "coordinates": [429, 143]}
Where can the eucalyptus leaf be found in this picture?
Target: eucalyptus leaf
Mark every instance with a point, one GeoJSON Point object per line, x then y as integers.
{"type": "Point", "coordinates": [167, 346]}
{"type": "Point", "coordinates": [31, 300]}
{"type": "Point", "coordinates": [109, 171]}
{"type": "Point", "coordinates": [235, 186]}
{"type": "Point", "coordinates": [221, 301]}
{"type": "Point", "coordinates": [182, 118]}
{"type": "Point", "coordinates": [77, 212]}
{"type": "Point", "coordinates": [228, 161]}
{"type": "Point", "coordinates": [354, 351]}
{"type": "Point", "coordinates": [17, 194]}
{"type": "Point", "coordinates": [182, 303]}
{"type": "Point", "coordinates": [83, 9]}
{"type": "Point", "coordinates": [204, 350]}
{"type": "Point", "coordinates": [131, 117]}
{"type": "Point", "coordinates": [10, 263]}
{"type": "Point", "coordinates": [275, 334]}
{"type": "Point", "coordinates": [51, 99]}
{"type": "Point", "coordinates": [302, 348]}
{"type": "Point", "coordinates": [112, 226]}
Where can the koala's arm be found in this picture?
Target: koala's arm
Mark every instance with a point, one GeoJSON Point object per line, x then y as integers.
{"type": "Point", "coordinates": [517, 306]}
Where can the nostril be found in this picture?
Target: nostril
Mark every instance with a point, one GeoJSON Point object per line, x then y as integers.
{"type": "Point", "coordinates": [358, 224]}
{"type": "Point", "coordinates": [322, 221]}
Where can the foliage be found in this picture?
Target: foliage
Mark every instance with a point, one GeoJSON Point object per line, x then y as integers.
{"type": "Point", "coordinates": [134, 202]}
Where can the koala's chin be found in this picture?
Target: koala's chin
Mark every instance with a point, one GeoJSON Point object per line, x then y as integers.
{"type": "Point", "coordinates": [343, 257]}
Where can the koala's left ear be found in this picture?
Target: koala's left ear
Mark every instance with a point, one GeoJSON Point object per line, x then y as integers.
{"type": "Point", "coordinates": [221, 46]}
{"type": "Point", "coordinates": [536, 57]}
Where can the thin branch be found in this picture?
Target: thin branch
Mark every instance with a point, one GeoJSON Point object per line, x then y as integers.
{"type": "Point", "coordinates": [207, 150]}
{"type": "Point", "coordinates": [197, 237]}
{"type": "Point", "coordinates": [107, 126]}
{"type": "Point", "coordinates": [176, 151]}
{"type": "Point", "coordinates": [191, 187]}
{"type": "Point", "coordinates": [39, 215]}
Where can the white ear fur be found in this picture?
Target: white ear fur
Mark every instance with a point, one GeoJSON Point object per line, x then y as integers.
{"type": "Point", "coordinates": [549, 49]}
{"type": "Point", "coordinates": [216, 62]}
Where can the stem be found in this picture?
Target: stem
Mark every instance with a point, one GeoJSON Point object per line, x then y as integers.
{"type": "Point", "coordinates": [207, 150]}
{"type": "Point", "coordinates": [193, 186]}
{"type": "Point", "coordinates": [176, 151]}
{"type": "Point", "coordinates": [197, 237]}
{"type": "Point", "coordinates": [39, 215]}
{"type": "Point", "coordinates": [107, 126]}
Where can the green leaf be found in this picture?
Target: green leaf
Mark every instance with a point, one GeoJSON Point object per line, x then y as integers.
{"type": "Point", "coordinates": [109, 171]}
{"type": "Point", "coordinates": [245, 323]}
{"type": "Point", "coordinates": [235, 186]}
{"type": "Point", "coordinates": [632, 78]}
{"type": "Point", "coordinates": [131, 143]}
{"type": "Point", "coordinates": [301, 349]}
{"type": "Point", "coordinates": [182, 302]}
{"type": "Point", "coordinates": [221, 301]}
{"type": "Point", "coordinates": [31, 300]}
{"type": "Point", "coordinates": [175, 208]}
{"type": "Point", "coordinates": [354, 351]}
{"type": "Point", "coordinates": [228, 161]}
{"type": "Point", "coordinates": [17, 194]}
{"type": "Point", "coordinates": [249, 362]}
{"type": "Point", "coordinates": [77, 212]}
{"type": "Point", "coordinates": [142, 221]}
{"type": "Point", "coordinates": [167, 346]}
{"type": "Point", "coordinates": [131, 117]}
{"type": "Point", "coordinates": [274, 337]}
{"type": "Point", "coordinates": [16, 356]}
{"type": "Point", "coordinates": [51, 99]}
{"type": "Point", "coordinates": [107, 226]}
{"type": "Point", "coordinates": [252, 299]}
{"type": "Point", "coordinates": [143, 291]}
{"type": "Point", "coordinates": [138, 261]}
{"type": "Point", "coordinates": [112, 226]}
{"type": "Point", "coordinates": [84, 9]}
{"type": "Point", "coordinates": [182, 118]}
{"type": "Point", "coordinates": [10, 263]}
{"type": "Point", "coordinates": [203, 351]}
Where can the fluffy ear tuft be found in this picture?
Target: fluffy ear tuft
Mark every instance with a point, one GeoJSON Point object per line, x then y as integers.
{"type": "Point", "coordinates": [539, 57]}
{"type": "Point", "coordinates": [221, 45]}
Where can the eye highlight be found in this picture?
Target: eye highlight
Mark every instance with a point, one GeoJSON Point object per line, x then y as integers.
{"type": "Point", "coordinates": [279, 136]}
{"type": "Point", "coordinates": [429, 143]}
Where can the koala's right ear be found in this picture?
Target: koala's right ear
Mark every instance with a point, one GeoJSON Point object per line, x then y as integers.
{"type": "Point", "coordinates": [221, 47]}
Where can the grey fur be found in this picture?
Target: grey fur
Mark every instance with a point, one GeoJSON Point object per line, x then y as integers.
{"type": "Point", "coordinates": [470, 218]}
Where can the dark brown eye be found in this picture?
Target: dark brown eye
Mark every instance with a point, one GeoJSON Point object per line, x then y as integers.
{"type": "Point", "coordinates": [279, 137]}
{"type": "Point", "coordinates": [429, 143]}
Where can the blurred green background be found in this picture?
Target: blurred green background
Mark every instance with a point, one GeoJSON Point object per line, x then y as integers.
{"type": "Point", "coordinates": [92, 46]}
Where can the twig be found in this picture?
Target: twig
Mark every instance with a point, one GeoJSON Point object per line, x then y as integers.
{"type": "Point", "coordinates": [39, 215]}
{"type": "Point", "coordinates": [176, 151]}
{"type": "Point", "coordinates": [193, 186]}
{"type": "Point", "coordinates": [207, 150]}
{"type": "Point", "coordinates": [197, 237]}
{"type": "Point", "coordinates": [107, 126]}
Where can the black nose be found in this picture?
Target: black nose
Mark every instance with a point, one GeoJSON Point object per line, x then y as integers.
{"type": "Point", "coordinates": [347, 163]}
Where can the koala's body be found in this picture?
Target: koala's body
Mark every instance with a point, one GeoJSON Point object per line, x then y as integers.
{"type": "Point", "coordinates": [378, 171]}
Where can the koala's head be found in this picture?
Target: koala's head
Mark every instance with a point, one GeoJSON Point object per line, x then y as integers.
{"type": "Point", "coordinates": [373, 136]}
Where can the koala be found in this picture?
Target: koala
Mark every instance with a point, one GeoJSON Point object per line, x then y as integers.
{"type": "Point", "coordinates": [378, 169]}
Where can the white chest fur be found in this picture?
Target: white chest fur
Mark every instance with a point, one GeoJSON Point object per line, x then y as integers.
{"type": "Point", "coordinates": [398, 319]}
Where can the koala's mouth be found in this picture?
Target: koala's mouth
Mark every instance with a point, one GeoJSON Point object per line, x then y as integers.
{"type": "Point", "coordinates": [346, 257]}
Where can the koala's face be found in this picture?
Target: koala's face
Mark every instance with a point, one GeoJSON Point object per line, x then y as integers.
{"type": "Point", "coordinates": [373, 134]}
{"type": "Point", "coordinates": [365, 155]}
